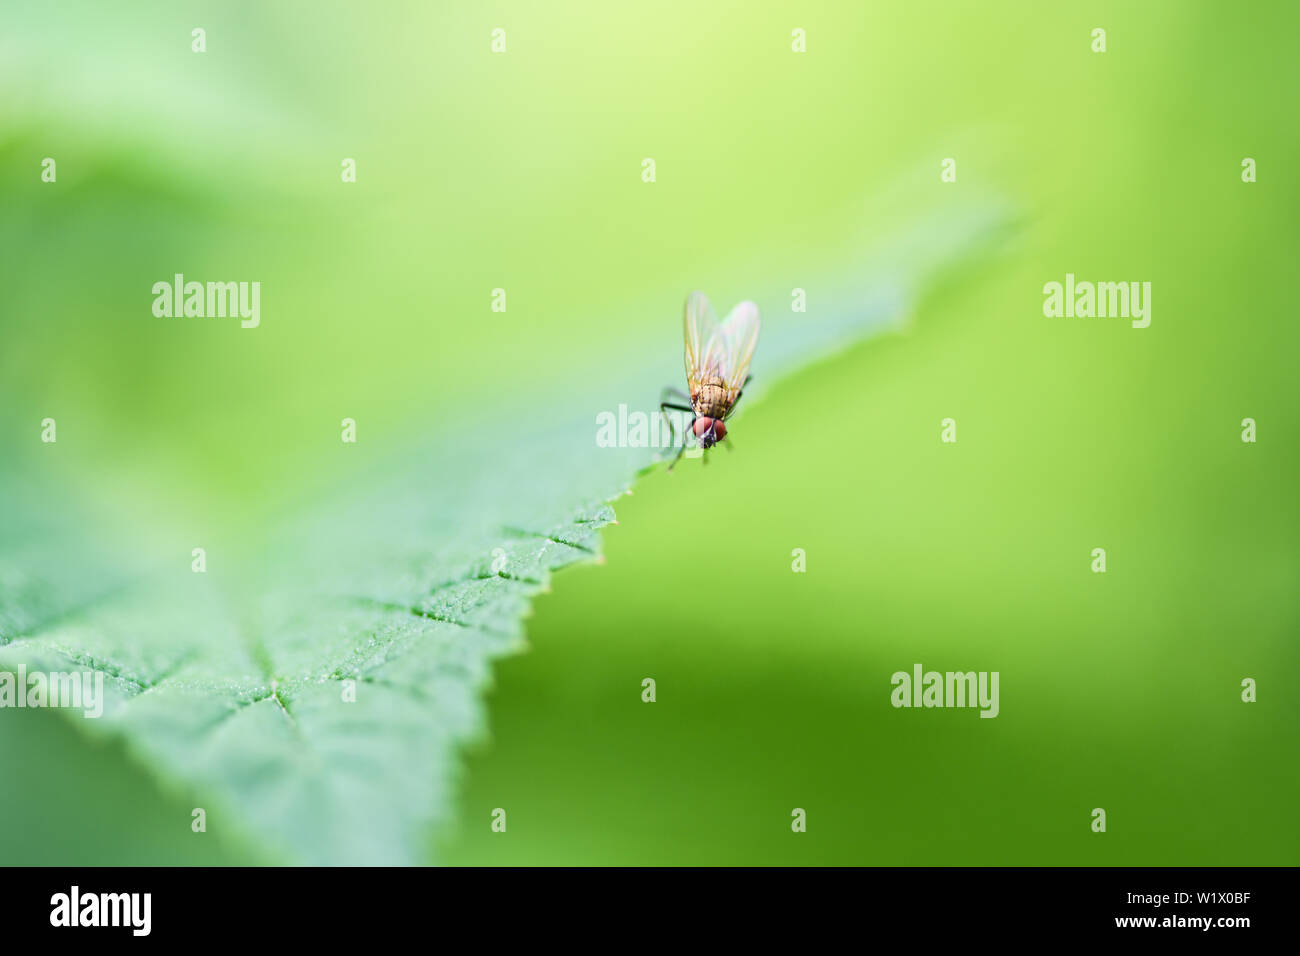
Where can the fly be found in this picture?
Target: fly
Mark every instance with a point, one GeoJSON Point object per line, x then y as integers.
{"type": "Point", "coordinates": [717, 368]}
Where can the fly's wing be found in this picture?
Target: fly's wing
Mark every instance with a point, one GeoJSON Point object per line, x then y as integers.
{"type": "Point", "coordinates": [735, 342]}
{"type": "Point", "coordinates": [700, 325]}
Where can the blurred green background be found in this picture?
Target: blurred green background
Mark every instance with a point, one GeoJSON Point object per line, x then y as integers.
{"type": "Point", "coordinates": [522, 171]}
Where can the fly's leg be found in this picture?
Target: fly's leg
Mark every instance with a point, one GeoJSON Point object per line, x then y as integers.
{"type": "Point", "coordinates": [670, 392]}
{"type": "Point", "coordinates": [672, 429]}
{"type": "Point", "coordinates": [740, 394]}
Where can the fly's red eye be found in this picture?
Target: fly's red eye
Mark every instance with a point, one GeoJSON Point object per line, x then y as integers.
{"type": "Point", "coordinates": [720, 430]}
{"type": "Point", "coordinates": [701, 425]}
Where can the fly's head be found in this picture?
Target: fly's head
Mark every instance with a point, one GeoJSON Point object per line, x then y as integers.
{"type": "Point", "coordinates": [709, 431]}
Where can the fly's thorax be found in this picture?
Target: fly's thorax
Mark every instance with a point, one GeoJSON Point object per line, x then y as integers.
{"type": "Point", "coordinates": [712, 399]}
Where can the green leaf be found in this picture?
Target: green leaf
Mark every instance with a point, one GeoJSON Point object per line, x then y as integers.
{"type": "Point", "coordinates": [232, 682]}
{"type": "Point", "coordinates": [409, 581]}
